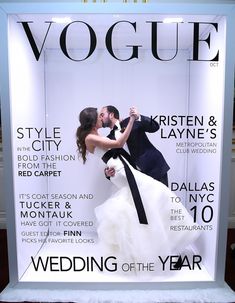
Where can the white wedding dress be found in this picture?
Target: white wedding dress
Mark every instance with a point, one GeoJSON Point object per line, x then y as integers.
{"type": "Point", "coordinates": [119, 230]}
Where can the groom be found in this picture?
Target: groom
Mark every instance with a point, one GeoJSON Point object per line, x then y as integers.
{"type": "Point", "coordinates": [143, 153]}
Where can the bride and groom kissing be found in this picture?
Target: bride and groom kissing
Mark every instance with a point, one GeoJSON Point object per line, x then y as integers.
{"type": "Point", "coordinates": [146, 157]}
{"type": "Point", "coordinates": [134, 223]}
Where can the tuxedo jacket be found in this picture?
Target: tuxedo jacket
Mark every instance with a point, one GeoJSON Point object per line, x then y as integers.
{"type": "Point", "coordinates": [149, 159]}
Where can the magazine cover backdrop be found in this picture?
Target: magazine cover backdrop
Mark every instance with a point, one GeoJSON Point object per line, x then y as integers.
{"type": "Point", "coordinates": [178, 82]}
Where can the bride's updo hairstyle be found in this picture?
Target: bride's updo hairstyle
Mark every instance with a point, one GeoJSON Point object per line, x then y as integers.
{"type": "Point", "coordinates": [88, 118]}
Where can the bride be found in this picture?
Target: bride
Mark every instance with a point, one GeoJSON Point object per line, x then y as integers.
{"type": "Point", "coordinates": [137, 223]}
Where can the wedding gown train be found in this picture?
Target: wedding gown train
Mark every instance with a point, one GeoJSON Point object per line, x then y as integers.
{"type": "Point", "coordinates": [119, 230]}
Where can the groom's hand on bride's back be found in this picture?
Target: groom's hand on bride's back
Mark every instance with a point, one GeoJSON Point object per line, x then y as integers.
{"type": "Point", "coordinates": [109, 172]}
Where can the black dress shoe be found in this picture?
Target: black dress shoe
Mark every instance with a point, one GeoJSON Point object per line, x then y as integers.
{"type": "Point", "coordinates": [179, 263]}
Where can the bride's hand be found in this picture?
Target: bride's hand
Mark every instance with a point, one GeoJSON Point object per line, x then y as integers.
{"type": "Point", "coordinates": [134, 113]}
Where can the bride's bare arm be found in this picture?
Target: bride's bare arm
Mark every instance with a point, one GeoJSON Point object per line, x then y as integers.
{"type": "Point", "coordinates": [106, 143]}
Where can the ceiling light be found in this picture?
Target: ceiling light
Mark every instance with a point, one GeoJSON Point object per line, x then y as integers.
{"type": "Point", "coordinates": [172, 20]}
{"type": "Point", "coordinates": [61, 19]}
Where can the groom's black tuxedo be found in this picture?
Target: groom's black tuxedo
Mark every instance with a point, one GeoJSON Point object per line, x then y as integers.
{"type": "Point", "coordinates": [143, 153]}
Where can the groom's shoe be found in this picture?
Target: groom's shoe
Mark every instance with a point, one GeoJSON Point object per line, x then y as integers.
{"type": "Point", "coordinates": [179, 263]}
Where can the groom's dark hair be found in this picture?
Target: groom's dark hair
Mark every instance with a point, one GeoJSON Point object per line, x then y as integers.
{"type": "Point", "coordinates": [114, 110]}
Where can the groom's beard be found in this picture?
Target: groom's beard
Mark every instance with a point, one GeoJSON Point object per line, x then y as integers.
{"type": "Point", "coordinates": [107, 123]}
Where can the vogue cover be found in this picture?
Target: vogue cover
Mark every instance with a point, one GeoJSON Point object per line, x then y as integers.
{"type": "Point", "coordinates": [116, 127]}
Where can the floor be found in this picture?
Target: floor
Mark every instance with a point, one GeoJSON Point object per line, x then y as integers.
{"type": "Point", "coordinates": [229, 270]}
{"type": "Point", "coordinates": [230, 260]}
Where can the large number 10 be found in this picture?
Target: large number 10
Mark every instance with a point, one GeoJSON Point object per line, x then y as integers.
{"type": "Point", "coordinates": [203, 213]}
